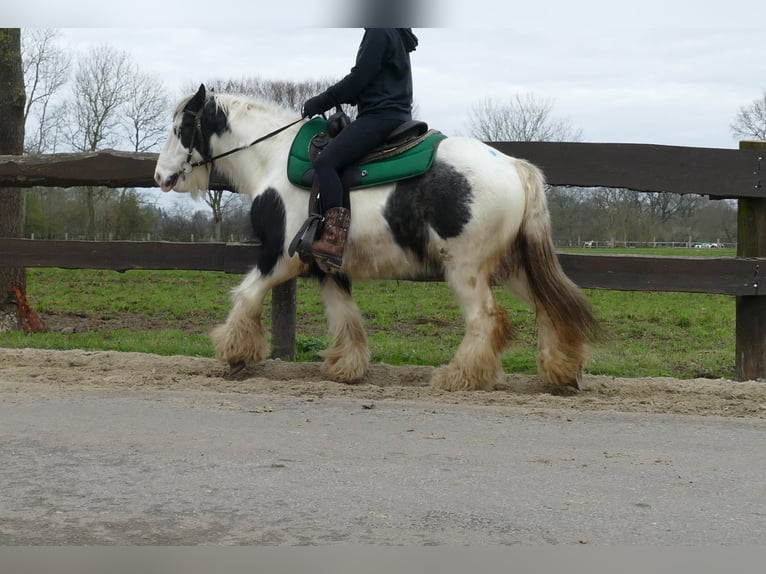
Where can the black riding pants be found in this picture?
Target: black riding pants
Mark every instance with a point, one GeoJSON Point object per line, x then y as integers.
{"type": "Point", "coordinates": [355, 141]}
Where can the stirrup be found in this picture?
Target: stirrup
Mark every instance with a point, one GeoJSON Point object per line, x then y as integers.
{"type": "Point", "coordinates": [327, 263]}
{"type": "Point", "coordinates": [305, 237]}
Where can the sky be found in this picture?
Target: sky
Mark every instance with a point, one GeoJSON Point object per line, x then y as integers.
{"type": "Point", "coordinates": [670, 72]}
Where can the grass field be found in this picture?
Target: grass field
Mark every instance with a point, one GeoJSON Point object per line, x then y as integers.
{"type": "Point", "coordinates": [170, 312]}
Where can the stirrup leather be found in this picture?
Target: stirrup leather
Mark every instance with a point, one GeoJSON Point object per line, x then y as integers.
{"type": "Point", "coordinates": [305, 237]}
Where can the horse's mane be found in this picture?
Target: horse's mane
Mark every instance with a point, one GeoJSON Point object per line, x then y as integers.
{"type": "Point", "coordinates": [236, 106]}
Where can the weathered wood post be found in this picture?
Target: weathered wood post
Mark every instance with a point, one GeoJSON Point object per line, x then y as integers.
{"type": "Point", "coordinates": [283, 320]}
{"type": "Point", "coordinates": [751, 309]}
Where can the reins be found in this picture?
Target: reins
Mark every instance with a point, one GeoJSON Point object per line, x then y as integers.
{"type": "Point", "coordinates": [188, 166]}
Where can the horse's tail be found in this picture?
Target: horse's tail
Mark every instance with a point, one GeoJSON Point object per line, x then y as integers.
{"type": "Point", "coordinates": [547, 284]}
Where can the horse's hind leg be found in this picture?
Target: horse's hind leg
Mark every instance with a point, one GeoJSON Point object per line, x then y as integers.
{"type": "Point", "coordinates": [348, 358]}
{"type": "Point", "coordinates": [477, 363]}
{"type": "Point", "coordinates": [560, 356]}
{"type": "Point", "coordinates": [559, 360]}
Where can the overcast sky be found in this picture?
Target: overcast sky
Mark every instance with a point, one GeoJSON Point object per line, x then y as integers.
{"type": "Point", "coordinates": [678, 87]}
{"type": "Point", "coordinates": [665, 72]}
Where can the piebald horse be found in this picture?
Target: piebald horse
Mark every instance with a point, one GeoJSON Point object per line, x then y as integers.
{"type": "Point", "coordinates": [477, 217]}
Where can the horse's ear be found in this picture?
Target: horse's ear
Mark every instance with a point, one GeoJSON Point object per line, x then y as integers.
{"type": "Point", "coordinates": [198, 99]}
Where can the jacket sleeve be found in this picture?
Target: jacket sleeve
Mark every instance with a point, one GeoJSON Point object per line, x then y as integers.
{"type": "Point", "coordinates": [369, 62]}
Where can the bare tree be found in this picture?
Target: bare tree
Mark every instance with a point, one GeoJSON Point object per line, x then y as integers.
{"type": "Point", "coordinates": [522, 118]}
{"type": "Point", "coordinates": [46, 70]}
{"type": "Point", "coordinates": [571, 214]}
{"type": "Point", "coordinates": [146, 110]}
{"type": "Point", "coordinates": [750, 122]}
{"type": "Point", "coordinates": [15, 312]}
{"type": "Point", "coordinates": [622, 213]}
{"type": "Point", "coordinates": [664, 207]}
{"type": "Point", "coordinates": [101, 89]}
{"type": "Point", "coordinates": [218, 203]}
{"type": "Point", "coordinates": [112, 100]}
{"type": "Point", "coordinates": [99, 92]}
{"type": "Point", "coordinates": [716, 221]}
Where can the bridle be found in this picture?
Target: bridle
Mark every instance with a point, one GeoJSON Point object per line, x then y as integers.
{"type": "Point", "coordinates": [188, 165]}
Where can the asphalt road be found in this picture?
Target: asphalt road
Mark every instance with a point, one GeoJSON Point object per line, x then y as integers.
{"type": "Point", "coordinates": [159, 468]}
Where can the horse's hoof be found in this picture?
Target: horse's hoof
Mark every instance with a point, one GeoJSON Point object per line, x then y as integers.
{"type": "Point", "coordinates": [568, 388]}
{"type": "Point", "coordinates": [236, 368]}
{"type": "Point", "coordinates": [564, 391]}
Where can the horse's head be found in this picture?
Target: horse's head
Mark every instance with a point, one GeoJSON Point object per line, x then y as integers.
{"type": "Point", "coordinates": [183, 164]}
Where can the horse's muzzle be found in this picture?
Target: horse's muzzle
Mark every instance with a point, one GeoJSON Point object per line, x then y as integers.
{"type": "Point", "coordinates": [165, 184]}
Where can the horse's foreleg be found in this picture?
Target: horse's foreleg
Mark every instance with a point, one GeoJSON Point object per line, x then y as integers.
{"type": "Point", "coordinates": [476, 364]}
{"type": "Point", "coordinates": [348, 358]}
{"type": "Point", "coordinates": [242, 338]}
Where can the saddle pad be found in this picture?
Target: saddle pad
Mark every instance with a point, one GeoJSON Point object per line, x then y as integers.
{"type": "Point", "coordinates": [410, 163]}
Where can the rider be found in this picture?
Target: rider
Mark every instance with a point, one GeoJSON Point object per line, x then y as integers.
{"type": "Point", "coordinates": [380, 86]}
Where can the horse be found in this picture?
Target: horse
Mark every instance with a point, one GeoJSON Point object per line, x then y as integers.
{"type": "Point", "coordinates": [477, 218]}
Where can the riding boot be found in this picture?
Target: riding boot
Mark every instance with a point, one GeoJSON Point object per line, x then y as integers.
{"type": "Point", "coordinates": [329, 247]}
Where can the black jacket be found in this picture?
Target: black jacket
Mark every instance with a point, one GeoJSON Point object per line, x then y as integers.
{"type": "Point", "coordinates": [381, 81]}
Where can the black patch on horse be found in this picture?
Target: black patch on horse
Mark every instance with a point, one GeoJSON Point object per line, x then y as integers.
{"type": "Point", "coordinates": [213, 121]}
{"type": "Point", "coordinates": [267, 216]}
{"type": "Point", "coordinates": [441, 198]}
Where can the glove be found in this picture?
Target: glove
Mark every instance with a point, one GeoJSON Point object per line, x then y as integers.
{"type": "Point", "coordinates": [316, 105]}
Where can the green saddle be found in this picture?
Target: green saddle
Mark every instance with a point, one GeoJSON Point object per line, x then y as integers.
{"type": "Point", "coordinates": [392, 163]}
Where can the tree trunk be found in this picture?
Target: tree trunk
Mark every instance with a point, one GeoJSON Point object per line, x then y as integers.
{"type": "Point", "coordinates": [14, 310]}
{"type": "Point", "coordinates": [90, 202]}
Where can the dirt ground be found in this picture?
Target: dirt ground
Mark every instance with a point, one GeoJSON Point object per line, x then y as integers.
{"type": "Point", "coordinates": [48, 373]}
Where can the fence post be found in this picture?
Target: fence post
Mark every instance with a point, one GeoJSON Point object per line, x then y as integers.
{"type": "Point", "coordinates": [283, 320]}
{"type": "Point", "coordinates": [751, 310]}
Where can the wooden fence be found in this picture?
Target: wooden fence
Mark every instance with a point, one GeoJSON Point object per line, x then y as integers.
{"type": "Point", "coordinates": [718, 173]}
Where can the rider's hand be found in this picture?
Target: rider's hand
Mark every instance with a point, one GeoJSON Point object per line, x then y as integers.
{"type": "Point", "coordinates": [316, 105]}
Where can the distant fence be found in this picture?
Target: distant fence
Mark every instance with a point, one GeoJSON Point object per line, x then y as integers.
{"type": "Point", "coordinates": [611, 244]}
{"type": "Point", "coordinates": [718, 173]}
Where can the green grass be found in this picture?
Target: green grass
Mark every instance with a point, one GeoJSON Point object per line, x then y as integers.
{"type": "Point", "coordinates": [171, 312]}
{"type": "Point", "coordinates": [164, 294]}
{"type": "Point", "coordinates": [655, 251]}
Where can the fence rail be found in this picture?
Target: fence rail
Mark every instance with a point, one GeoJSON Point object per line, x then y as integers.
{"type": "Point", "coordinates": [722, 275]}
{"type": "Point", "coordinates": [717, 173]}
